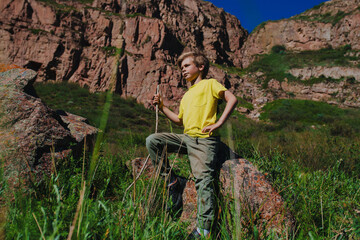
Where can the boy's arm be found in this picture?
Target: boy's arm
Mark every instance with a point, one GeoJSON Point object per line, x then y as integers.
{"type": "Point", "coordinates": [168, 113]}
{"type": "Point", "coordinates": [231, 102]}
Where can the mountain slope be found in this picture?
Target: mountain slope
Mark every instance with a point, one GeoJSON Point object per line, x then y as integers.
{"type": "Point", "coordinates": [331, 24]}
{"type": "Point", "coordinates": [131, 46]}
{"type": "Point", "coordinates": [126, 46]}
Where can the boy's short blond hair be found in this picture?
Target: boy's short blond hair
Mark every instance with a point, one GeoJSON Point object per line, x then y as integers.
{"type": "Point", "coordinates": [199, 59]}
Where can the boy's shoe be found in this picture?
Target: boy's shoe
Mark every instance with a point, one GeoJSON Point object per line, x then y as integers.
{"type": "Point", "coordinates": [176, 190]}
{"type": "Point", "coordinates": [196, 235]}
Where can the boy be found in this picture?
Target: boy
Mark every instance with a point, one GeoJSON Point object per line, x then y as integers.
{"type": "Point", "coordinates": [197, 113]}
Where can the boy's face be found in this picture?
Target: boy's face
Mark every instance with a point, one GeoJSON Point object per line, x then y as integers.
{"type": "Point", "coordinates": [189, 70]}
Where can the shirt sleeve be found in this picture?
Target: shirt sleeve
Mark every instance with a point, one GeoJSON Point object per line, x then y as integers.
{"type": "Point", "coordinates": [217, 88]}
{"type": "Point", "coordinates": [181, 111]}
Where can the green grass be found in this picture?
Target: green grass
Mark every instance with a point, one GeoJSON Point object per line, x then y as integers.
{"type": "Point", "coordinates": [323, 18]}
{"type": "Point", "coordinates": [52, 206]}
{"type": "Point", "coordinates": [133, 15]}
{"type": "Point", "coordinates": [229, 70]}
{"type": "Point", "coordinates": [111, 51]}
{"type": "Point", "coordinates": [283, 111]}
{"type": "Point", "coordinates": [279, 61]}
{"type": "Point", "coordinates": [59, 7]}
{"type": "Point", "coordinates": [315, 169]}
{"type": "Point", "coordinates": [322, 202]}
{"type": "Point", "coordinates": [343, 122]}
{"type": "Point", "coordinates": [37, 31]}
{"type": "Point", "coordinates": [243, 103]}
{"type": "Point", "coordinates": [314, 134]}
{"type": "Point", "coordinates": [258, 27]}
{"type": "Point", "coordinates": [50, 211]}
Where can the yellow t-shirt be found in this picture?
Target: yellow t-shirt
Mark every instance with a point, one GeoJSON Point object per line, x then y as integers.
{"type": "Point", "coordinates": [198, 106]}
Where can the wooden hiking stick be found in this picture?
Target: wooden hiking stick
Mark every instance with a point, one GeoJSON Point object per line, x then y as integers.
{"type": "Point", "coordinates": [157, 111]}
{"type": "Point", "coordinates": [147, 158]}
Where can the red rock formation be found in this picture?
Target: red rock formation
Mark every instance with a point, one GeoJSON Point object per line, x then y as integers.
{"type": "Point", "coordinates": [32, 136]}
{"type": "Point", "coordinates": [254, 197]}
{"type": "Point", "coordinates": [68, 41]}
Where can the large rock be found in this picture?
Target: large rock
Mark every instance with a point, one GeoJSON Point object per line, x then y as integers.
{"type": "Point", "coordinates": [254, 197]}
{"type": "Point", "coordinates": [256, 201]}
{"type": "Point", "coordinates": [32, 136]}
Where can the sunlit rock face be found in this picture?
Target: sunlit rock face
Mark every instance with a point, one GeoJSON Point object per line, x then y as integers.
{"type": "Point", "coordinates": [127, 46]}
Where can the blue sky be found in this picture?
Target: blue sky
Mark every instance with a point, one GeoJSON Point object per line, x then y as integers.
{"type": "Point", "coordinates": [253, 12]}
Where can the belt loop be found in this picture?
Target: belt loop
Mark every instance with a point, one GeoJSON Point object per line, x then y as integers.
{"type": "Point", "coordinates": [197, 142]}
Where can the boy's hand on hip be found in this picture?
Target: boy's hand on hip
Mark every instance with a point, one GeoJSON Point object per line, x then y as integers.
{"type": "Point", "coordinates": [209, 129]}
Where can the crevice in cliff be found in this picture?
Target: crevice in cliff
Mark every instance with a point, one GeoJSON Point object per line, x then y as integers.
{"type": "Point", "coordinates": [227, 82]}
{"type": "Point", "coordinates": [136, 32]}
{"type": "Point", "coordinates": [222, 57]}
{"type": "Point", "coordinates": [50, 70]}
{"type": "Point", "coordinates": [122, 77]}
{"type": "Point", "coordinates": [171, 44]}
{"type": "Point", "coordinates": [28, 10]}
{"type": "Point", "coordinates": [76, 58]}
{"type": "Point", "coordinates": [33, 65]}
{"type": "Point", "coordinates": [108, 33]}
{"type": "Point", "coordinates": [199, 38]}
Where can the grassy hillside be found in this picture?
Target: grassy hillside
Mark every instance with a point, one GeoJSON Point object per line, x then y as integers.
{"type": "Point", "coordinates": [279, 61]}
{"type": "Point", "coordinates": [310, 152]}
{"type": "Point", "coordinates": [276, 64]}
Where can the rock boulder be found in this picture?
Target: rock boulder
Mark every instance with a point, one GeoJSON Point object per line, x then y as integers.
{"type": "Point", "coordinates": [32, 136]}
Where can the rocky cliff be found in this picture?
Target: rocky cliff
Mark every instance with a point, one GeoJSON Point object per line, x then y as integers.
{"type": "Point", "coordinates": [128, 46]}
{"type": "Point", "coordinates": [331, 24]}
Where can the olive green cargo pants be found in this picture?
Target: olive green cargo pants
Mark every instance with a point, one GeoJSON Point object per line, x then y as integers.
{"type": "Point", "coordinates": [202, 155]}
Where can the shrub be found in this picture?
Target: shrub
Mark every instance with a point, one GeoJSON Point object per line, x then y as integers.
{"type": "Point", "coordinates": [278, 49]}
{"type": "Point", "coordinates": [347, 47]}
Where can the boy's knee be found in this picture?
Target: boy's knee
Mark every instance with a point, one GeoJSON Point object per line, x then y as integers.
{"type": "Point", "coordinates": [150, 140]}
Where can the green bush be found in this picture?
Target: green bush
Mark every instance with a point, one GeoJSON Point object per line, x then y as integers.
{"type": "Point", "coordinates": [278, 49]}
